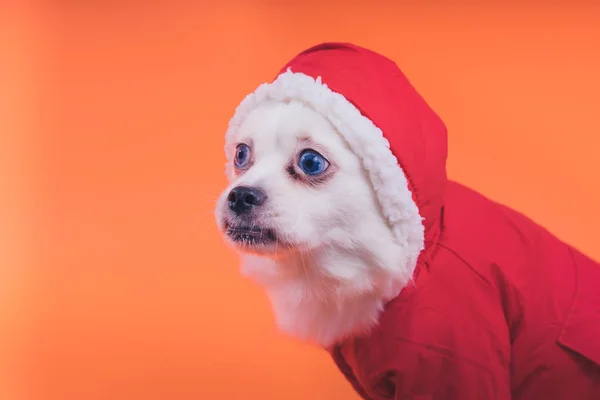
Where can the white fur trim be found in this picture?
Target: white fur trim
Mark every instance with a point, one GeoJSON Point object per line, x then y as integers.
{"type": "Point", "coordinates": [364, 138]}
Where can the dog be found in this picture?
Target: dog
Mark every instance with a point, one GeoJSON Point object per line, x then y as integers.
{"type": "Point", "coordinates": [419, 287]}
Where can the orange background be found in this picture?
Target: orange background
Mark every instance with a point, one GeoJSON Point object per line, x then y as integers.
{"type": "Point", "coordinates": [114, 282]}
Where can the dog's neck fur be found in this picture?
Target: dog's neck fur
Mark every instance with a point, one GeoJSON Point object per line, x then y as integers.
{"type": "Point", "coordinates": [329, 294]}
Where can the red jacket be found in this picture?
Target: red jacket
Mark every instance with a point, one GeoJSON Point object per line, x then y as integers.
{"type": "Point", "coordinates": [499, 308]}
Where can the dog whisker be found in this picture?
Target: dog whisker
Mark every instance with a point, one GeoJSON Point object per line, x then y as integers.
{"type": "Point", "coordinates": [324, 246]}
{"type": "Point", "coordinates": [303, 263]}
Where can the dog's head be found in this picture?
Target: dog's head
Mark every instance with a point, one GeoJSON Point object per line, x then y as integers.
{"type": "Point", "coordinates": [337, 175]}
{"type": "Point", "coordinates": [299, 191]}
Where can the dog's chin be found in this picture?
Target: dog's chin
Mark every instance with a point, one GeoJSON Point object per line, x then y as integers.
{"type": "Point", "coordinates": [253, 239]}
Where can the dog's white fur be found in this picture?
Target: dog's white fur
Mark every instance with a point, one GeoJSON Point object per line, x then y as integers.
{"type": "Point", "coordinates": [334, 269]}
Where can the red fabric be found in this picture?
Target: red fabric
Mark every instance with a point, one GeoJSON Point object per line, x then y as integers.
{"type": "Point", "coordinates": [500, 308]}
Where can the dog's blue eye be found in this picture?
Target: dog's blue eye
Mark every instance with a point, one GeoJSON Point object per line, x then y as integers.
{"type": "Point", "coordinates": [312, 163]}
{"type": "Point", "coordinates": [242, 156]}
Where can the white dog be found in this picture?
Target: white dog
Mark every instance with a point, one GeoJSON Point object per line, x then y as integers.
{"type": "Point", "coordinates": [302, 212]}
{"type": "Point", "coordinates": [419, 287]}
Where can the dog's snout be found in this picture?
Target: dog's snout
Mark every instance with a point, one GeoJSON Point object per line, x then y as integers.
{"type": "Point", "coordinates": [243, 198]}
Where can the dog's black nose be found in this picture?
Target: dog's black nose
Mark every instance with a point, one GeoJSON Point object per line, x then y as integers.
{"type": "Point", "coordinates": [242, 199]}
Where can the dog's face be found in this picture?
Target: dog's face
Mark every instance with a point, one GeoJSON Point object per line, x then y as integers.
{"type": "Point", "coordinates": [296, 186]}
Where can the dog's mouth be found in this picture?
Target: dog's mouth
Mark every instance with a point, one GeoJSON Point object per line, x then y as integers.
{"type": "Point", "coordinates": [250, 236]}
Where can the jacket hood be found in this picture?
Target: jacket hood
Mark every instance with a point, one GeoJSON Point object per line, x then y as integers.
{"type": "Point", "coordinates": [399, 138]}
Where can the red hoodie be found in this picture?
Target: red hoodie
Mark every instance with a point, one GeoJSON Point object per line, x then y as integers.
{"type": "Point", "coordinates": [499, 307]}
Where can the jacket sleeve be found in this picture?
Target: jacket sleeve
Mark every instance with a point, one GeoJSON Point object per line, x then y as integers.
{"type": "Point", "coordinates": [423, 372]}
